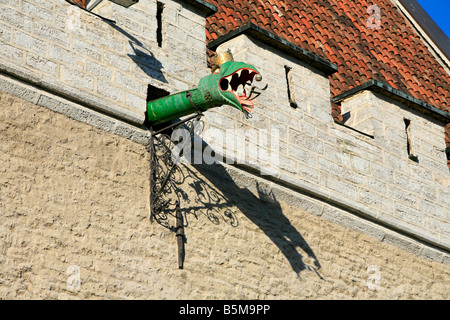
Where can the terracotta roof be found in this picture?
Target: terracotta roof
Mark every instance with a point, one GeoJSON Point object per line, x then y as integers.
{"type": "Point", "coordinates": [338, 31]}
{"type": "Point", "coordinates": [79, 2]}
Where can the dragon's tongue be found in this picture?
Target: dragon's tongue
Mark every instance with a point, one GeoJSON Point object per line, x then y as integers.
{"type": "Point", "coordinates": [245, 103]}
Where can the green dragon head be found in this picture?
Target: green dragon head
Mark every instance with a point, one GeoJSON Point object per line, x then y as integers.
{"type": "Point", "coordinates": [231, 83]}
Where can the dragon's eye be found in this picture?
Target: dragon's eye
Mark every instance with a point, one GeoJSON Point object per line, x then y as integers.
{"type": "Point", "coordinates": [216, 71]}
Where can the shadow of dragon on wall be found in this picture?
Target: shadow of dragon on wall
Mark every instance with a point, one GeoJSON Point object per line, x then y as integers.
{"type": "Point", "coordinates": [264, 211]}
{"type": "Point", "coordinates": [208, 190]}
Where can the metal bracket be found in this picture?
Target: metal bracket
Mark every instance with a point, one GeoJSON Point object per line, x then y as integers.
{"type": "Point", "coordinates": [189, 96]}
{"type": "Point", "coordinates": [166, 177]}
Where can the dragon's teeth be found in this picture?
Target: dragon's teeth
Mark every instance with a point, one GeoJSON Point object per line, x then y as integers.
{"type": "Point", "coordinates": [240, 90]}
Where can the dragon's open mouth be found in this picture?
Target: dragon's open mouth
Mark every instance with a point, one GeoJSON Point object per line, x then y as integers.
{"type": "Point", "coordinates": [240, 84]}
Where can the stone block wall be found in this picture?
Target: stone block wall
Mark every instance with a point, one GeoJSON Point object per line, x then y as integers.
{"type": "Point", "coordinates": [106, 65]}
{"type": "Point", "coordinates": [74, 225]}
{"type": "Point", "coordinates": [413, 164]}
{"type": "Point", "coordinates": [368, 172]}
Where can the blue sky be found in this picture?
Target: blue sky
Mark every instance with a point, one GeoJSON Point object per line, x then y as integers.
{"type": "Point", "coordinates": [439, 11]}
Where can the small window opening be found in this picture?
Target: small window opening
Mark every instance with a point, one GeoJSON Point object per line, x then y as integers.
{"type": "Point", "coordinates": [159, 12]}
{"type": "Point", "coordinates": [409, 143]}
{"type": "Point", "coordinates": [447, 143]}
{"type": "Point", "coordinates": [154, 93]}
{"type": "Point", "coordinates": [292, 103]}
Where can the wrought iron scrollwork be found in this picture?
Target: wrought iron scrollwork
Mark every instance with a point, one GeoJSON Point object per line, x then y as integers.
{"type": "Point", "coordinates": [208, 201]}
{"type": "Point", "coordinates": [172, 183]}
{"type": "Point", "coordinates": [166, 177]}
{"type": "Point", "coordinates": [166, 174]}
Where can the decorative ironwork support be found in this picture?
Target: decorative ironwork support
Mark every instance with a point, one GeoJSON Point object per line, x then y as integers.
{"type": "Point", "coordinates": [230, 83]}
{"type": "Point", "coordinates": [166, 177]}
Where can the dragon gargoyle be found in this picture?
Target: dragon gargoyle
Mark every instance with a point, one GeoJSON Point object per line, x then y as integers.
{"type": "Point", "coordinates": [230, 83]}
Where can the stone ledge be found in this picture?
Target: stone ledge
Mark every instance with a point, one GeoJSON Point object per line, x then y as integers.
{"type": "Point", "coordinates": [73, 110]}
{"type": "Point", "coordinates": [345, 213]}
{"type": "Point", "coordinates": [387, 90]}
{"type": "Point", "coordinates": [321, 194]}
{"type": "Point", "coordinates": [359, 212]}
{"type": "Point", "coordinates": [87, 100]}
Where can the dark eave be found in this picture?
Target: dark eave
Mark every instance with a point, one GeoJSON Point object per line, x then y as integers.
{"type": "Point", "coordinates": [387, 90]}
{"type": "Point", "coordinates": [269, 38]}
{"type": "Point", "coordinates": [202, 6]}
